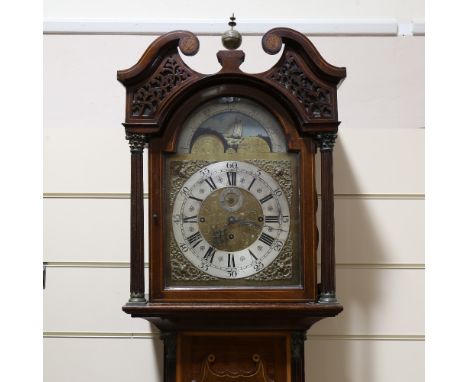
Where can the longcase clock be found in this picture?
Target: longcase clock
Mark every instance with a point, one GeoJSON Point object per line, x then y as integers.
{"type": "Point", "coordinates": [233, 232]}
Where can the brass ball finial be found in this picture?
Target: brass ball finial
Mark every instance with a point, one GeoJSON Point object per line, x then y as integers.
{"type": "Point", "coordinates": [231, 39]}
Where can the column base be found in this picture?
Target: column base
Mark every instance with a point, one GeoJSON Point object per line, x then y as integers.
{"type": "Point", "coordinates": [327, 298]}
{"type": "Point", "coordinates": [137, 298]}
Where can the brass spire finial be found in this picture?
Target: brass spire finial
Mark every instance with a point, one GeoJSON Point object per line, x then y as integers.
{"type": "Point", "coordinates": [231, 39]}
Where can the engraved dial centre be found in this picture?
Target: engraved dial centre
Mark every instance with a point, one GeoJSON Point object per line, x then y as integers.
{"type": "Point", "coordinates": [231, 219]}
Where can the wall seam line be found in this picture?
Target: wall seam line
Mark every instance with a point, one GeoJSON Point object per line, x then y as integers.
{"type": "Point", "coordinates": [124, 264]}
{"type": "Point", "coordinates": [123, 195]}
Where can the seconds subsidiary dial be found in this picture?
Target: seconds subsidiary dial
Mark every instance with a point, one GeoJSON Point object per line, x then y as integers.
{"type": "Point", "coordinates": [231, 219]}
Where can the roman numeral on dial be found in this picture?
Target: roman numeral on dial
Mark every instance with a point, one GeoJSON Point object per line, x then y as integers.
{"type": "Point", "coordinates": [231, 261]}
{"type": "Point", "coordinates": [267, 239]}
{"type": "Point", "coordinates": [266, 198]}
{"type": "Point", "coordinates": [211, 183]}
{"type": "Point", "coordinates": [195, 239]}
{"type": "Point", "coordinates": [272, 219]}
{"type": "Point", "coordinates": [190, 219]}
{"type": "Point", "coordinates": [231, 176]}
{"type": "Point", "coordinates": [209, 255]}
{"type": "Point", "coordinates": [252, 254]}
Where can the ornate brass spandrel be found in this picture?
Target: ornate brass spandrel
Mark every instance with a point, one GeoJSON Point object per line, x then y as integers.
{"type": "Point", "coordinates": [281, 172]}
{"type": "Point", "coordinates": [182, 269]}
{"type": "Point", "coordinates": [258, 374]}
{"type": "Point", "coordinates": [179, 172]}
{"type": "Point", "coordinates": [280, 269]}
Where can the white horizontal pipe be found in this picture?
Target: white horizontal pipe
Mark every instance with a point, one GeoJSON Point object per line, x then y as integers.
{"type": "Point", "coordinates": [332, 27]}
{"type": "Point", "coordinates": [155, 334]}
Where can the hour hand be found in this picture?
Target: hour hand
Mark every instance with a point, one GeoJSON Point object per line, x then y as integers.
{"type": "Point", "coordinates": [234, 220]}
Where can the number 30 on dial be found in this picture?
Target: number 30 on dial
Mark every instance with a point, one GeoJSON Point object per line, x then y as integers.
{"type": "Point", "coordinates": [231, 219]}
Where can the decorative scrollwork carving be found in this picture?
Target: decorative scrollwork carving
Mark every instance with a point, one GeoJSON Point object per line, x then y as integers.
{"type": "Point", "coordinates": [271, 43]}
{"type": "Point", "coordinates": [316, 99]}
{"type": "Point", "coordinates": [259, 374]}
{"type": "Point", "coordinates": [189, 45]}
{"type": "Point", "coordinates": [170, 75]}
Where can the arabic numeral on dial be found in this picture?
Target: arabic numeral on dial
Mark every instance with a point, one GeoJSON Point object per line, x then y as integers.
{"type": "Point", "coordinates": [232, 273]}
{"type": "Point", "coordinates": [231, 165]}
{"type": "Point", "coordinates": [278, 192]}
{"type": "Point", "coordinates": [205, 172]}
{"type": "Point", "coordinates": [186, 191]}
{"type": "Point", "coordinates": [177, 218]}
{"type": "Point", "coordinates": [204, 266]}
{"type": "Point", "coordinates": [278, 245]}
{"type": "Point", "coordinates": [183, 247]}
{"type": "Point", "coordinates": [285, 219]}
{"type": "Point", "coordinates": [258, 266]}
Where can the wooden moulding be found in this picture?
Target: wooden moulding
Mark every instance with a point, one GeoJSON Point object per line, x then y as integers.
{"type": "Point", "coordinates": [234, 316]}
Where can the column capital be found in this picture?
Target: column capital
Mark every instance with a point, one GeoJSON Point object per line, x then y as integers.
{"type": "Point", "coordinates": [137, 142]}
{"type": "Point", "coordinates": [170, 344]}
{"type": "Point", "coordinates": [297, 344]}
{"type": "Point", "coordinates": [326, 141]}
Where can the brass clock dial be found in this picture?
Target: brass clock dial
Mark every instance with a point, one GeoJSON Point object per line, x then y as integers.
{"type": "Point", "coordinates": [231, 219]}
{"type": "Point", "coordinates": [232, 200]}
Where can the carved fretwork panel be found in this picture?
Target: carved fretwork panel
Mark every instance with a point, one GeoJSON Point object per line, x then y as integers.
{"type": "Point", "coordinates": [169, 76]}
{"type": "Point", "coordinates": [315, 97]}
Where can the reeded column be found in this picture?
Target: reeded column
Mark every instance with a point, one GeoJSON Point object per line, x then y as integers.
{"type": "Point", "coordinates": [328, 293]}
{"type": "Point", "coordinates": [137, 260]}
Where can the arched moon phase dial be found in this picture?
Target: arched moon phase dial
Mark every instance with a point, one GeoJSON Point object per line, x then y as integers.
{"type": "Point", "coordinates": [231, 219]}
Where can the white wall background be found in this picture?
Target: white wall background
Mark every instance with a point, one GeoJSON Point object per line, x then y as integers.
{"type": "Point", "coordinates": [378, 181]}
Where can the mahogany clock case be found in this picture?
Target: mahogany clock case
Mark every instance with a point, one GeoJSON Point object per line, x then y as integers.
{"type": "Point", "coordinates": [300, 92]}
{"type": "Point", "coordinates": [235, 329]}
